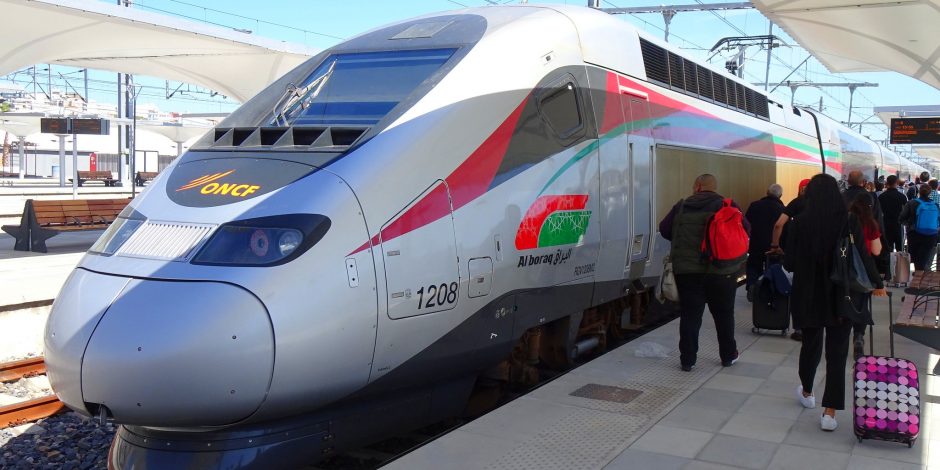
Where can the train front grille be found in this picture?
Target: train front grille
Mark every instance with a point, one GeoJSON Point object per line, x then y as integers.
{"type": "Point", "coordinates": [170, 241]}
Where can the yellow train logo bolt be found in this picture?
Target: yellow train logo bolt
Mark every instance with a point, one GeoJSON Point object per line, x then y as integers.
{"type": "Point", "coordinates": [210, 185]}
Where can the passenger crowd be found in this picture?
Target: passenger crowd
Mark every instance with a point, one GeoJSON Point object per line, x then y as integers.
{"type": "Point", "coordinates": [836, 248]}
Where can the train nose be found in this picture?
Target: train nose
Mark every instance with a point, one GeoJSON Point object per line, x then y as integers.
{"type": "Point", "coordinates": [159, 353]}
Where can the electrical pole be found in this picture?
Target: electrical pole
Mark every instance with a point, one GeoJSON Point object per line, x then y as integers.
{"type": "Point", "coordinates": [770, 48]}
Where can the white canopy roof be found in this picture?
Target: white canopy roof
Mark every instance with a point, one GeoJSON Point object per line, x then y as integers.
{"type": "Point", "coordinates": [98, 35]}
{"type": "Point", "coordinates": [177, 132]}
{"type": "Point", "coordinates": [886, 113]}
{"type": "Point", "coordinates": [20, 124]}
{"type": "Point", "coordinates": [865, 35]}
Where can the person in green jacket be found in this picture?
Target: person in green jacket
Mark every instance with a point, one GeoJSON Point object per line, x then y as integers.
{"type": "Point", "coordinates": [697, 280]}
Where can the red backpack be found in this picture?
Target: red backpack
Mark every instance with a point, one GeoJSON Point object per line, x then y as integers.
{"type": "Point", "coordinates": [725, 243]}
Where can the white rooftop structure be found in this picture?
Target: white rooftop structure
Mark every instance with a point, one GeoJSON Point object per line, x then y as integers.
{"type": "Point", "coordinates": [864, 35]}
{"type": "Point", "coordinates": [99, 35]}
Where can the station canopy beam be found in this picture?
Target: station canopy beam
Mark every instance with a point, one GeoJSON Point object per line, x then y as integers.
{"type": "Point", "coordinates": [864, 35]}
{"type": "Point", "coordinates": [103, 36]}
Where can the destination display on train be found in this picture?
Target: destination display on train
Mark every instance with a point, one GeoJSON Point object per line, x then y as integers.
{"type": "Point", "coordinates": [915, 130]}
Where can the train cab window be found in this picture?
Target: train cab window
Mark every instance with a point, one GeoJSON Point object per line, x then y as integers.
{"type": "Point", "coordinates": [357, 88]}
{"type": "Point", "coordinates": [560, 107]}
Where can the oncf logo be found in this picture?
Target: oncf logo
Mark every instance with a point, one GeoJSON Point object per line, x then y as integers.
{"type": "Point", "coordinates": [210, 185]}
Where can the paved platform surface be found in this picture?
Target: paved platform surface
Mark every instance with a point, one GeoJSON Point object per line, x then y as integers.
{"type": "Point", "coordinates": [27, 277]}
{"type": "Point", "coordinates": [744, 416]}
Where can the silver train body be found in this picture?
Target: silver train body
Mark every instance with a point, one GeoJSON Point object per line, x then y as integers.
{"type": "Point", "coordinates": [352, 248]}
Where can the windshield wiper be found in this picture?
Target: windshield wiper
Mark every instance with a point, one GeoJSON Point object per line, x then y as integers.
{"type": "Point", "coordinates": [292, 94]}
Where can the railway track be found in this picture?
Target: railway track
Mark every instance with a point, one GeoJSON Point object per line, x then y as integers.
{"type": "Point", "coordinates": [29, 410]}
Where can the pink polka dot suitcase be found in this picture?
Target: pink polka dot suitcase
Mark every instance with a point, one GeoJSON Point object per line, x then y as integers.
{"type": "Point", "coordinates": [887, 399]}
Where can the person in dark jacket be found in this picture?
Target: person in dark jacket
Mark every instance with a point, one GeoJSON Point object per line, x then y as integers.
{"type": "Point", "coordinates": [697, 280]}
{"type": "Point", "coordinates": [762, 215]}
{"type": "Point", "coordinates": [856, 187]}
{"type": "Point", "coordinates": [792, 210]}
{"type": "Point", "coordinates": [919, 245]}
{"type": "Point", "coordinates": [814, 298]}
{"type": "Point", "coordinates": [892, 202]}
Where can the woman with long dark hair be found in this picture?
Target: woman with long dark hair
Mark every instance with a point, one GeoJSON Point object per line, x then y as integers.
{"type": "Point", "coordinates": [814, 300]}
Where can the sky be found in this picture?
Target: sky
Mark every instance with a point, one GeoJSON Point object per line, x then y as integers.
{"type": "Point", "coordinates": [323, 23]}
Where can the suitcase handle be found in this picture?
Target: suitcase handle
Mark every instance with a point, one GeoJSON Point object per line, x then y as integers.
{"type": "Point", "coordinates": [891, 321]}
{"type": "Point", "coordinates": [871, 328]}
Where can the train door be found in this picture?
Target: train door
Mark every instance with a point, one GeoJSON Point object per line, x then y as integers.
{"type": "Point", "coordinates": [421, 270]}
{"type": "Point", "coordinates": [640, 151]}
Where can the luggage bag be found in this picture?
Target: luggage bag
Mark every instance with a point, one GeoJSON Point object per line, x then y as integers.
{"type": "Point", "coordinates": [770, 307]}
{"type": "Point", "coordinates": [887, 397]}
{"type": "Point", "coordinates": [901, 268]}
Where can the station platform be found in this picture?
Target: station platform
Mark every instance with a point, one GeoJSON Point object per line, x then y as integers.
{"type": "Point", "coordinates": [28, 284]}
{"type": "Point", "coordinates": [648, 413]}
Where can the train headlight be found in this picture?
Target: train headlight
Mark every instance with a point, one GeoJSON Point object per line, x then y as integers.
{"type": "Point", "coordinates": [117, 233]}
{"type": "Point", "coordinates": [289, 241]}
{"type": "Point", "coordinates": [264, 241]}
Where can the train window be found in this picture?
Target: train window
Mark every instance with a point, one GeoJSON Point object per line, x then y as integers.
{"type": "Point", "coordinates": [357, 88]}
{"type": "Point", "coordinates": [561, 110]}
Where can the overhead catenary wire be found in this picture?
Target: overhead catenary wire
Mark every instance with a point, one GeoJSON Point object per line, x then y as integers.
{"type": "Point", "coordinates": [235, 15]}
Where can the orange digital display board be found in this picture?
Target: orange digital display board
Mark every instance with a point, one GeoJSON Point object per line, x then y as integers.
{"type": "Point", "coordinates": [915, 130]}
{"type": "Point", "coordinates": [54, 125]}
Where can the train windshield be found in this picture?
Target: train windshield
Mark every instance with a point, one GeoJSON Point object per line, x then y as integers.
{"type": "Point", "coordinates": [357, 88]}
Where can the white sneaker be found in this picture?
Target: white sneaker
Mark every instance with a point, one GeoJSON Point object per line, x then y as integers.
{"type": "Point", "coordinates": [828, 423]}
{"type": "Point", "coordinates": [807, 402]}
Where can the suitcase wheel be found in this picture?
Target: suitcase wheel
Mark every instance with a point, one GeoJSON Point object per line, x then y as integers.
{"type": "Point", "coordinates": [754, 330]}
{"type": "Point", "coordinates": [860, 438]}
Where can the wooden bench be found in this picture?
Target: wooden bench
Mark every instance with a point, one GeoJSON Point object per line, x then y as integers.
{"type": "Point", "coordinates": [919, 318]}
{"type": "Point", "coordinates": [144, 176]}
{"type": "Point", "coordinates": [42, 220]}
{"type": "Point", "coordinates": [103, 176]}
{"type": "Point", "coordinates": [923, 282]}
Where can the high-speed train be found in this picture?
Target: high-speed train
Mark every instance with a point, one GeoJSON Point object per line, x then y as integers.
{"type": "Point", "coordinates": [431, 208]}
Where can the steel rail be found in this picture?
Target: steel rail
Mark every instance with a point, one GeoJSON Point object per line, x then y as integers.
{"type": "Point", "coordinates": [10, 371]}
{"type": "Point", "coordinates": [31, 410]}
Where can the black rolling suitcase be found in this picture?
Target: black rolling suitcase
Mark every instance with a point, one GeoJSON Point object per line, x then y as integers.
{"type": "Point", "coordinates": [771, 305]}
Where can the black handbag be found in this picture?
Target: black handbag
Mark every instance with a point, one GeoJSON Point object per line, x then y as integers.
{"type": "Point", "coordinates": [848, 269]}
{"type": "Point", "coordinates": [851, 275]}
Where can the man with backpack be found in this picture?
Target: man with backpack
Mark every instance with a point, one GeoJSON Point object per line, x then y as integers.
{"type": "Point", "coordinates": [709, 238]}
{"type": "Point", "coordinates": [922, 218]}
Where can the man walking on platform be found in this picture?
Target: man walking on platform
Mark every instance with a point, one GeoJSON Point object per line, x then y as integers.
{"type": "Point", "coordinates": [700, 280]}
{"type": "Point", "coordinates": [892, 202]}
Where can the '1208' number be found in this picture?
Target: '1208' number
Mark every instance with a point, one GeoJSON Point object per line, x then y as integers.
{"type": "Point", "coordinates": [442, 294]}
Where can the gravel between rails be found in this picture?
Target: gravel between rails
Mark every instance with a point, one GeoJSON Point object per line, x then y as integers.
{"type": "Point", "coordinates": [66, 441]}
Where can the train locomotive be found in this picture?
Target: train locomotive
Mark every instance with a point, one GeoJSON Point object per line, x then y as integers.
{"type": "Point", "coordinates": [417, 213]}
